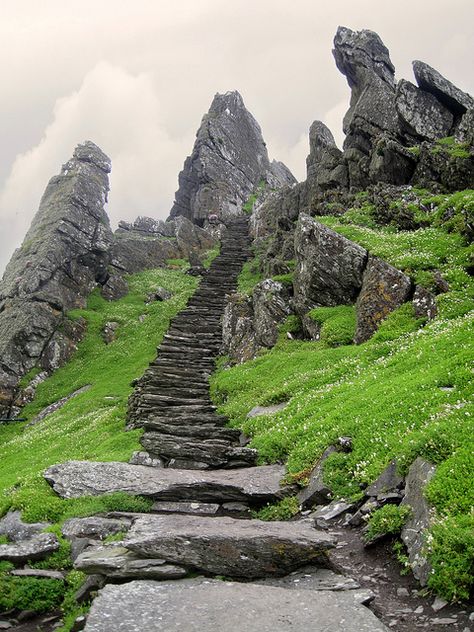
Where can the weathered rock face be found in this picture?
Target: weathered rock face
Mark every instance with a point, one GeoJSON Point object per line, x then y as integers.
{"type": "Point", "coordinates": [414, 531]}
{"type": "Point", "coordinates": [430, 80]}
{"type": "Point", "coordinates": [228, 161]}
{"type": "Point", "coordinates": [421, 112]}
{"type": "Point", "coordinates": [384, 288]}
{"type": "Point", "coordinates": [229, 546]}
{"type": "Point", "coordinates": [251, 322]}
{"type": "Point", "coordinates": [329, 267]}
{"type": "Point", "coordinates": [64, 255]}
{"type": "Point", "coordinates": [86, 478]}
{"type": "Point", "coordinates": [324, 164]}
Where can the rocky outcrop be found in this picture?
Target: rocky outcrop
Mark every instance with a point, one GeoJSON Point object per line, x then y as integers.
{"type": "Point", "coordinates": [421, 113]}
{"type": "Point", "coordinates": [384, 288]}
{"type": "Point", "coordinates": [324, 165]}
{"type": "Point", "coordinates": [430, 80]}
{"type": "Point", "coordinates": [252, 322]}
{"type": "Point", "coordinates": [228, 161]}
{"type": "Point", "coordinates": [329, 267]}
{"type": "Point", "coordinates": [63, 256]}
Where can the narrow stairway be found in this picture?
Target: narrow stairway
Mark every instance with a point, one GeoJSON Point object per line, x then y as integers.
{"type": "Point", "coordinates": [203, 483]}
{"type": "Point", "coordinates": [171, 400]}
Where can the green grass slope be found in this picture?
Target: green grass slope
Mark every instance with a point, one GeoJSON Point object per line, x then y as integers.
{"type": "Point", "coordinates": [406, 392]}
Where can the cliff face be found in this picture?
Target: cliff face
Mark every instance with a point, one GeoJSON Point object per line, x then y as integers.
{"type": "Point", "coordinates": [64, 254]}
{"type": "Point", "coordinates": [228, 161]}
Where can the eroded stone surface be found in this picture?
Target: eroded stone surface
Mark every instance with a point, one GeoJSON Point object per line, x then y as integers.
{"type": "Point", "coordinates": [82, 478]}
{"type": "Point", "coordinates": [36, 547]}
{"type": "Point", "coordinates": [196, 604]}
{"type": "Point", "coordinates": [228, 546]}
{"type": "Point", "coordinates": [422, 113]}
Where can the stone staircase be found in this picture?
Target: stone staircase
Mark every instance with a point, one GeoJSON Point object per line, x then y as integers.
{"type": "Point", "coordinates": [203, 482]}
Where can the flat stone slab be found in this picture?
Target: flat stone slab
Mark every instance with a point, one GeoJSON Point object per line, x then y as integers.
{"type": "Point", "coordinates": [117, 562]}
{"type": "Point", "coordinates": [197, 509]}
{"type": "Point", "coordinates": [257, 411]}
{"type": "Point", "coordinates": [195, 605]}
{"type": "Point", "coordinates": [229, 546]}
{"type": "Point", "coordinates": [314, 578]}
{"type": "Point", "coordinates": [87, 478]}
{"type": "Point", "coordinates": [37, 547]}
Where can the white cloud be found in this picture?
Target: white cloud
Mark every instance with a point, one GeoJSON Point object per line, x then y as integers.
{"type": "Point", "coordinates": [120, 112]}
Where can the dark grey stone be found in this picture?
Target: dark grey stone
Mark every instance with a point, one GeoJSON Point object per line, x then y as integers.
{"type": "Point", "coordinates": [36, 547]}
{"type": "Point", "coordinates": [228, 161]}
{"type": "Point", "coordinates": [215, 606]}
{"type": "Point", "coordinates": [115, 287]}
{"type": "Point", "coordinates": [388, 481]}
{"type": "Point", "coordinates": [117, 562]}
{"type": "Point", "coordinates": [324, 164]}
{"type": "Point", "coordinates": [228, 546]}
{"type": "Point", "coordinates": [37, 572]}
{"type": "Point", "coordinates": [447, 93]}
{"type": "Point", "coordinates": [384, 289]}
{"type": "Point", "coordinates": [90, 586]}
{"type": "Point", "coordinates": [317, 492]}
{"type": "Point", "coordinates": [12, 526]}
{"type": "Point", "coordinates": [424, 303]}
{"type": "Point", "coordinates": [144, 458]}
{"type": "Point", "coordinates": [335, 509]}
{"type": "Point", "coordinates": [192, 508]}
{"type": "Point", "coordinates": [421, 113]}
{"type": "Point", "coordinates": [415, 529]}
{"type": "Point", "coordinates": [329, 267]}
{"type": "Point", "coordinates": [94, 527]}
{"type": "Point", "coordinates": [81, 478]}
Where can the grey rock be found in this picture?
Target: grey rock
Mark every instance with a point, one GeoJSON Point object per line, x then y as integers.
{"type": "Point", "coordinates": [251, 323]}
{"type": "Point", "coordinates": [57, 405]}
{"type": "Point", "coordinates": [118, 562]}
{"type": "Point", "coordinates": [109, 332]}
{"type": "Point", "coordinates": [228, 161]}
{"type": "Point", "coordinates": [439, 166]}
{"type": "Point", "coordinates": [391, 162]}
{"type": "Point", "coordinates": [388, 481]}
{"type": "Point", "coordinates": [430, 80]}
{"type": "Point", "coordinates": [115, 287]}
{"type": "Point", "coordinates": [414, 531]}
{"type": "Point", "coordinates": [235, 508]}
{"type": "Point", "coordinates": [257, 411]}
{"type": "Point", "coordinates": [324, 164]}
{"type": "Point", "coordinates": [94, 527]}
{"type": "Point", "coordinates": [144, 458]}
{"type": "Point", "coordinates": [79, 623]}
{"type": "Point", "coordinates": [313, 578]}
{"type": "Point", "coordinates": [424, 303]}
{"type": "Point", "coordinates": [160, 294]}
{"type": "Point", "coordinates": [5, 625]}
{"type": "Point", "coordinates": [438, 604]}
{"type": "Point", "coordinates": [63, 256]}
{"type": "Point", "coordinates": [317, 492]}
{"type": "Point", "coordinates": [335, 509]}
{"type": "Point", "coordinates": [37, 572]}
{"type": "Point", "coordinates": [384, 289]}
{"type": "Point", "coordinates": [421, 113]}
{"type": "Point", "coordinates": [36, 547]}
{"type": "Point", "coordinates": [228, 546]}
{"type": "Point", "coordinates": [12, 526]}
{"type": "Point", "coordinates": [196, 604]}
{"type": "Point", "coordinates": [192, 508]}
{"type": "Point", "coordinates": [465, 130]}
{"type": "Point", "coordinates": [329, 267]}
{"type": "Point", "coordinates": [90, 586]}
{"type": "Point", "coordinates": [81, 478]}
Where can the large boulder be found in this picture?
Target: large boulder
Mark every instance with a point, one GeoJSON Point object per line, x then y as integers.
{"type": "Point", "coordinates": [228, 161]}
{"type": "Point", "coordinates": [430, 80]}
{"type": "Point", "coordinates": [63, 256]}
{"type": "Point", "coordinates": [421, 113]}
{"type": "Point", "coordinates": [384, 288]}
{"type": "Point", "coordinates": [324, 164]}
{"type": "Point", "coordinates": [251, 323]}
{"type": "Point", "coordinates": [329, 267]}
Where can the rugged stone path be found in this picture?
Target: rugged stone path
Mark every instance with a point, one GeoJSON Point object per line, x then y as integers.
{"type": "Point", "coordinates": [204, 483]}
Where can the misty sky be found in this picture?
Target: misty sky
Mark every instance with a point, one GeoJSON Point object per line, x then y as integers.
{"type": "Point", "coordinates": [136, 76]}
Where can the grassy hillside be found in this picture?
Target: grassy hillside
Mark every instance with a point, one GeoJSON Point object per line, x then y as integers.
{"type": "Point", "coordinates": [406, 392]}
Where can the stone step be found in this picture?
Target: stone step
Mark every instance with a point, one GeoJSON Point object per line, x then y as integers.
{"type": "Point", "coordinates": [198, 604]}
{"type": "Point", "coordinates": [191, 420]}
{"type": "Point", "coordinates": [200, 431]}
{"type": "Point", "coordinates": [215, 545]}
{"type": "Point", "coordinates": [214, 452]}
{"type": "Point", "coordinates": [255, 485]}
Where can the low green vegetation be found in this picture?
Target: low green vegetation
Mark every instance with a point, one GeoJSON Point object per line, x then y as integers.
{"type": "Point", "coordinates": [282, 510]}
{"type": "Point", "coordinates": [452, 147]}
{"type": "Point", "coordinates": [337, 324]}
{"type": "Point", "coordinates": [90, 427]}
{"type": "Point", "coordinates": [248, 206]}
{"type": "Point", "coordinates": [407, 392]}
{"type": "Point", "coordinates": [250, 276]}
{"type": "Point", "coordinates": [388, 520]}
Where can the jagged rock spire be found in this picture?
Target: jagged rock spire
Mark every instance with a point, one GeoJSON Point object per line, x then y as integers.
{"type": "Point", "coordinates": [228, 161]}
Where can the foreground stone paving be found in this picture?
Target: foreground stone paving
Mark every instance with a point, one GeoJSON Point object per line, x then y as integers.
{"type": "Point", "coordinates": [204, 483]}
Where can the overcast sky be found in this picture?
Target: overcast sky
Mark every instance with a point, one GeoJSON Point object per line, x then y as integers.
{"type": "Point", "coordinates": [136, 76]}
